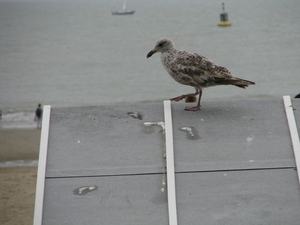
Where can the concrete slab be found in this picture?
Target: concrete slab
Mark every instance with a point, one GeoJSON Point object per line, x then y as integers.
{"type": "Point", "coordinates": [227, 135]}
{"type": "Point", "coordinates": [240, 197]}
{"type": "Point", "coordinates": [116, 200]}
{"type": "Point", "coordinates": [234, 164]}
{"type": "Point", "coordinates": [232, 135]}
{"type": "Point", "coordinates": [105, 141]}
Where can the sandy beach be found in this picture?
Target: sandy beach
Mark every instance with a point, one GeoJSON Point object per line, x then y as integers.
{"type": "Point", "coordinates": [17, 189]}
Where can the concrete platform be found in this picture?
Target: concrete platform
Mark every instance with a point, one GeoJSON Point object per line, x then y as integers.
{"type": "Point", "coordinates": [234, 164]}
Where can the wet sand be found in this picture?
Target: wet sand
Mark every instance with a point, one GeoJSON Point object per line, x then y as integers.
{"type": "Point", "coordinates": [16, 144]}
{"type": "Point", "coordinates": [17, 184]}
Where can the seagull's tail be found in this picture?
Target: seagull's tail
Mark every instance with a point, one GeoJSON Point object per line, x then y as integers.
{"type": "Point", "coordinates": [241, 83]}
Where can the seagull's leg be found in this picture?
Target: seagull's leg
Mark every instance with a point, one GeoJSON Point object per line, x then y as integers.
{"type": "Point", "coordinates": [197, 107]}
{"type": "Point", "coordinates": [178, 98]}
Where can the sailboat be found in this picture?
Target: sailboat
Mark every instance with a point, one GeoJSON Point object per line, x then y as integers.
{"type": "Point", "coordinates": [124, 11]}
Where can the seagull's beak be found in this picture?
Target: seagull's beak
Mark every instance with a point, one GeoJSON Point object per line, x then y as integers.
{"type": "Point", "coordinates": [151, 53]}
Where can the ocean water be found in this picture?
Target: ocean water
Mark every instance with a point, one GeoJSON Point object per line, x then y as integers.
{"type": "Point", "coordinates": [75, 53]}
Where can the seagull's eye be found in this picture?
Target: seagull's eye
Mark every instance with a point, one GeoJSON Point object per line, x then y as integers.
{"type": "Point", "coordinates": [161, 43]}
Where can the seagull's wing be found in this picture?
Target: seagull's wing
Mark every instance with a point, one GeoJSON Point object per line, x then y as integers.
{"type": "Point", "coordinates": [201, 72]}
{"type": "Point", "coordinates": [200, 69]}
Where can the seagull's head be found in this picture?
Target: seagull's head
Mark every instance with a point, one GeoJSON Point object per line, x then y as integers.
{"type": "Point", "coordinates": [161, 46]}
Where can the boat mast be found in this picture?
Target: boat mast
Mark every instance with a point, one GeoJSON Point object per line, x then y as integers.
{"type": "Point", "coordinates": [124, 5]}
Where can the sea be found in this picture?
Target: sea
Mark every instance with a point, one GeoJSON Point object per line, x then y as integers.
{"type": "Point", "coordinates": [67, 53]}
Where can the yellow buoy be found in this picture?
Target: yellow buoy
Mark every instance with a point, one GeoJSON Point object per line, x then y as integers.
{"type": "Point", "coordinates": [224, 24]}
{"type": "Point", "coordinates": [224, 18]}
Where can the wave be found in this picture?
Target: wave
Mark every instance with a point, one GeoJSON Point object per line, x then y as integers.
{"type": "Point", "coordinates": [19, 163]}
{"type": "Point", "coordinates": [18, 120]}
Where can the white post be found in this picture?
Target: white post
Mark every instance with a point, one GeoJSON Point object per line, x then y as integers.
{"type": "Point", "coordinates": [40, 183]}
{"type": "Point", "coordinates": [293, 131]}
{"type": "Point", "coordinates": [170, 164]}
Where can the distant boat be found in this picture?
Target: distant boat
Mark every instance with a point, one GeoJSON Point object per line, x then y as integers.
{"type": "Point", "coordinates": [124, 11]}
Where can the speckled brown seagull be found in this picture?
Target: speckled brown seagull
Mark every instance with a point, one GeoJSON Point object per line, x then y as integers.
{"type": "Point", "coordinates": [193, 70]}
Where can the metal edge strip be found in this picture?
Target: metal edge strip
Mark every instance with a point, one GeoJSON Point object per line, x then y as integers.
{"type": "Point", "coordinates": [170, 163]}
{"type": "Point", "coordinates": [40, 183]}
{"type": "Point", "coordinates": [293, 131]}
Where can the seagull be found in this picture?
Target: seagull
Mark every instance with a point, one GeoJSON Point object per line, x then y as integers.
{"type": "Point", "coordinates": [193, 70]}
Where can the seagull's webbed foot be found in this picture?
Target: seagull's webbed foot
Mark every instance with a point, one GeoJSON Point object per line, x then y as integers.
{"type": "Point", "coordinates": [198, 106]}
{"type": "Point", "coordinates": [179, 98]}
{"type": "Point", "coordinates": [193, 108]}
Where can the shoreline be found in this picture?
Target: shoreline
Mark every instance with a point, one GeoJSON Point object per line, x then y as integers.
{"type": "Point", "coordinates": [18, 183]}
